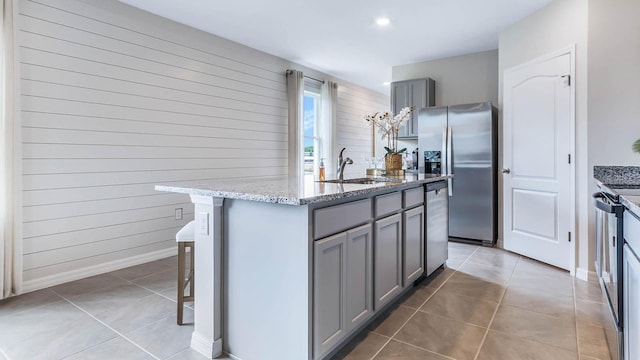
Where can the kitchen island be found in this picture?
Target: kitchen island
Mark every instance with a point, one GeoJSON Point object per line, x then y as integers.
{"type": "Point", "coordinates": [291, 268]}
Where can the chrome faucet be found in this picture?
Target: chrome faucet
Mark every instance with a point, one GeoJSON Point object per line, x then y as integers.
{"type": "Point", "coordinates": [340, 159]}
{"type": "Point", "coordinates": [342, 163]}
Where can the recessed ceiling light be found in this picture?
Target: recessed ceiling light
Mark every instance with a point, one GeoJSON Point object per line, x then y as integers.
{"type": "Point", "coordinates": [386, 83]}
{"type": "Point", "coordinates": [383, 21]}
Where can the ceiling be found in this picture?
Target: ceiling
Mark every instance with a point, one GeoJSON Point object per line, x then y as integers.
{"type": "Point", "coordinates": [341, 38]}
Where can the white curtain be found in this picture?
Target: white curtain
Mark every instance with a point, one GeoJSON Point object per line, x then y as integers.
{"type": "Point", "coordinates": [295, 95]}
{"type": "Point", "coordinates": [10, 248]}
{"type": "Point", "coordinates": [328, 128]}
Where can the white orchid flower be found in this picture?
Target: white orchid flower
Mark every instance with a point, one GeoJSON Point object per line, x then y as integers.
{"type": "Point", "coordinates": [389, 126]}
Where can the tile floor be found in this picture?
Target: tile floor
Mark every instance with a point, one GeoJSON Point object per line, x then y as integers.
{"type": "Point", "coordinates": [489, 304]}
{"type": "Point", "coordinates": [486, 304]}
{"type": "Point", "coordinates": [125, 314]}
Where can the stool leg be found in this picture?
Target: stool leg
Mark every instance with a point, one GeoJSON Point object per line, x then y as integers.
{"type": "Point", "coordinates": [180, 298]}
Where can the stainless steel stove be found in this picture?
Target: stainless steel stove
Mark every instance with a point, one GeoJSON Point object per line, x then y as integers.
{"type": "Point", "coordinates": [609, 257]}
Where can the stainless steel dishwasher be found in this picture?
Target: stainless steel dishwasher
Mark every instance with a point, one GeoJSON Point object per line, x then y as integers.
{"type": "Point", "coordinates": [437, 224]}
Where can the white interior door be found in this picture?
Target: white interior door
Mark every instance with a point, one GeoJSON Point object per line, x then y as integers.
{"type": "Point", "coordinates": [538, 148]}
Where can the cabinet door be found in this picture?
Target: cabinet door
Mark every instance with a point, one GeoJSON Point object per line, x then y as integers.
{"type": "Point", "coordinates": [631, 289]}
{"type": "Point", "coordinates": [388, 259]}
{"type": "Point", "coordinates": [418, 100]}
{"type": "Point", "coordinates": [413, 222]}
{"type": "Point", "coordinates": [359, 287]}
{"type": "Point", "coordinates": [400, 97]}
{"type": "Point", "coordinates": [330, 276]}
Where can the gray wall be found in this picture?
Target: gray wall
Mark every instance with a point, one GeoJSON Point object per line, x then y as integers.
{"type": "Point", "coordinates": [561, 24]}
{"type": "Point", "coordinates": [614, 81]}
{"type": "Point", "coordinates": [614, 86]}
{"type": "Point", "coordinates": [115, 100]}
{"type": "Point", "coordinates": [353, 132]}
{"type": "Point", "coordinates": [459, 79]}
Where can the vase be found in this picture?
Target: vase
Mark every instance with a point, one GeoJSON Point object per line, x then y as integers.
{"type": "Point", "coordinates": [393, 162]}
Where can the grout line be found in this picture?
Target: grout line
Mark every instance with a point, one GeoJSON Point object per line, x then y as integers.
{"type": "Point", "coordinates": [151, 290]}
{"type": "Point", "coordinates": [35, 306]}
{"type": "Point", "coordinates": [496, 310]}
{"type": "Point", "coordinates": [148, 289]}
{"type": "Point", "coordinates": [535, 341]}
{"type": "Point", "coordinates": [427, 350]}
{"type": "Point", "coordinates": [108, 327]}
{"type": "Point", "coordinates": [424, 302]}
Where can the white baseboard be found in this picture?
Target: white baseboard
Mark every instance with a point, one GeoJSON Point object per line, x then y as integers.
{"type": "Point", "coordinates": [206, 347]}
{"type": "Point", "coordinates": [57, 279]}
{"type": "Point", "coordinates": [585, 275]}
{"type": "Point", "coordinates": [232, 356]}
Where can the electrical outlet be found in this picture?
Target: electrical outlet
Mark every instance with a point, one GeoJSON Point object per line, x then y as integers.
{"type": "Point", "coordinates": [178, 213]}
{"type": "Point", "coordinates": [203, 221]}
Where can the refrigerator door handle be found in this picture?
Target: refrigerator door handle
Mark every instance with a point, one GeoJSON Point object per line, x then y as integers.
{"type": "Point", "coordinates": [444, 169]}
{"type": "Point", "coordinates": [449, 159]}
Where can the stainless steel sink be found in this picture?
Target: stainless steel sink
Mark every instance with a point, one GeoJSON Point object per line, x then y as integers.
{"type": "Point", "coordinates": [362, 181]}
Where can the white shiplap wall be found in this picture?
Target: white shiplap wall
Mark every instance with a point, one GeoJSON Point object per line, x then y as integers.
{"type": "Point", "coordinates": [353, 132]}
{"type": "Point", "coordinates": [115, 100]}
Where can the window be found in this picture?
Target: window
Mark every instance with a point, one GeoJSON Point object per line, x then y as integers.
{"type": "Point", "coordinates": [312, 104]}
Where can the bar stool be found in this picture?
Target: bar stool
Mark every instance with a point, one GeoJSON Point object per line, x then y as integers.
{"type": "Point", "coordinates": [185, 239]}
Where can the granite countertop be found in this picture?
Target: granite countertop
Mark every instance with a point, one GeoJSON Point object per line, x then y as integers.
{"type": "Point", "coordinates": [297, 191]}
{"type": "Point", "coordinates": [623, 181]}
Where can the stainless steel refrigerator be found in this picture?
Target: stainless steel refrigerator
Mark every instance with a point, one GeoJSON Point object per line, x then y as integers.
{"type": "Point", "coordinates": [463, 140]}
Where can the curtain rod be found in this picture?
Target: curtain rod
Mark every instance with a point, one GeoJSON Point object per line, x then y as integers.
{"type": "Point", "coordinates": [308, 77]}
{"type": "Point", "coordinates": [312, 78]}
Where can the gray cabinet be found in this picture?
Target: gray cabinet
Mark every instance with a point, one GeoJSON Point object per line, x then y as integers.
{"type": "Point", "coordinates": [417, 94]}
{"type": "Point", "coordinates": [413, 224]}
{"type": "Point", "coordinates": [338, 218]}
{"type": "Point", "coordinates": [388, 259]}
{"type": "Point", "coordinates": [343, 286]}
{"type": "Point", "coordinates": [329, 280]}
{"type": "Point", "coordinates": [387, 204]}
{"type": "Point", "coordinates": [631, 287]}
{"type": "Point", "coordinates": [359, 270]}
{"type": "Point", "coordinates": [399, 99]}
{"type": "Point", "coordinates": [359, 287]}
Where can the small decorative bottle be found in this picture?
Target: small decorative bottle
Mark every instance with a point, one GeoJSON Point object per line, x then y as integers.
{"type": "Point", "coordinates": [321, 170]}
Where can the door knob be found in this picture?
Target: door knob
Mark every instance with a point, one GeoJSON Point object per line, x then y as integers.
{"type": "Point", "coordinates": [506, 171]}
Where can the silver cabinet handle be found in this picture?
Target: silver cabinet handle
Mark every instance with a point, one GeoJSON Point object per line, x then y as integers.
{"type": "Point", "coordinates": [506, 171]}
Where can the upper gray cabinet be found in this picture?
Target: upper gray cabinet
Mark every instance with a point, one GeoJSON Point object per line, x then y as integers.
{"type": "Point", "coordinates": [417, 94]}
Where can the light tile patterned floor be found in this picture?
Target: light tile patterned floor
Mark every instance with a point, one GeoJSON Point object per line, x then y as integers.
{"type": "Point", "coordinates": [125, 314]}
{"type": "Point", "coordinates": [487, 304]}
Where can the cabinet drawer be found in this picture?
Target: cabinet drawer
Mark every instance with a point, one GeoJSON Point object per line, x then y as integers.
{"type": "Point", "coordinates": [333, 219]}
{"type": "Point", "coordinates": [387, 204]}
{"type": "Point", "coordinates": [413, 197]}
{"type": "Point", "coordinates": [632, 231]}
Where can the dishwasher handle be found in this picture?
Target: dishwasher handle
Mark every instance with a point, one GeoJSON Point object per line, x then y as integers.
{"type": "Point", "coordinates": [435, 186]}
{"type": "Point", "coordinates": [608, 203]}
